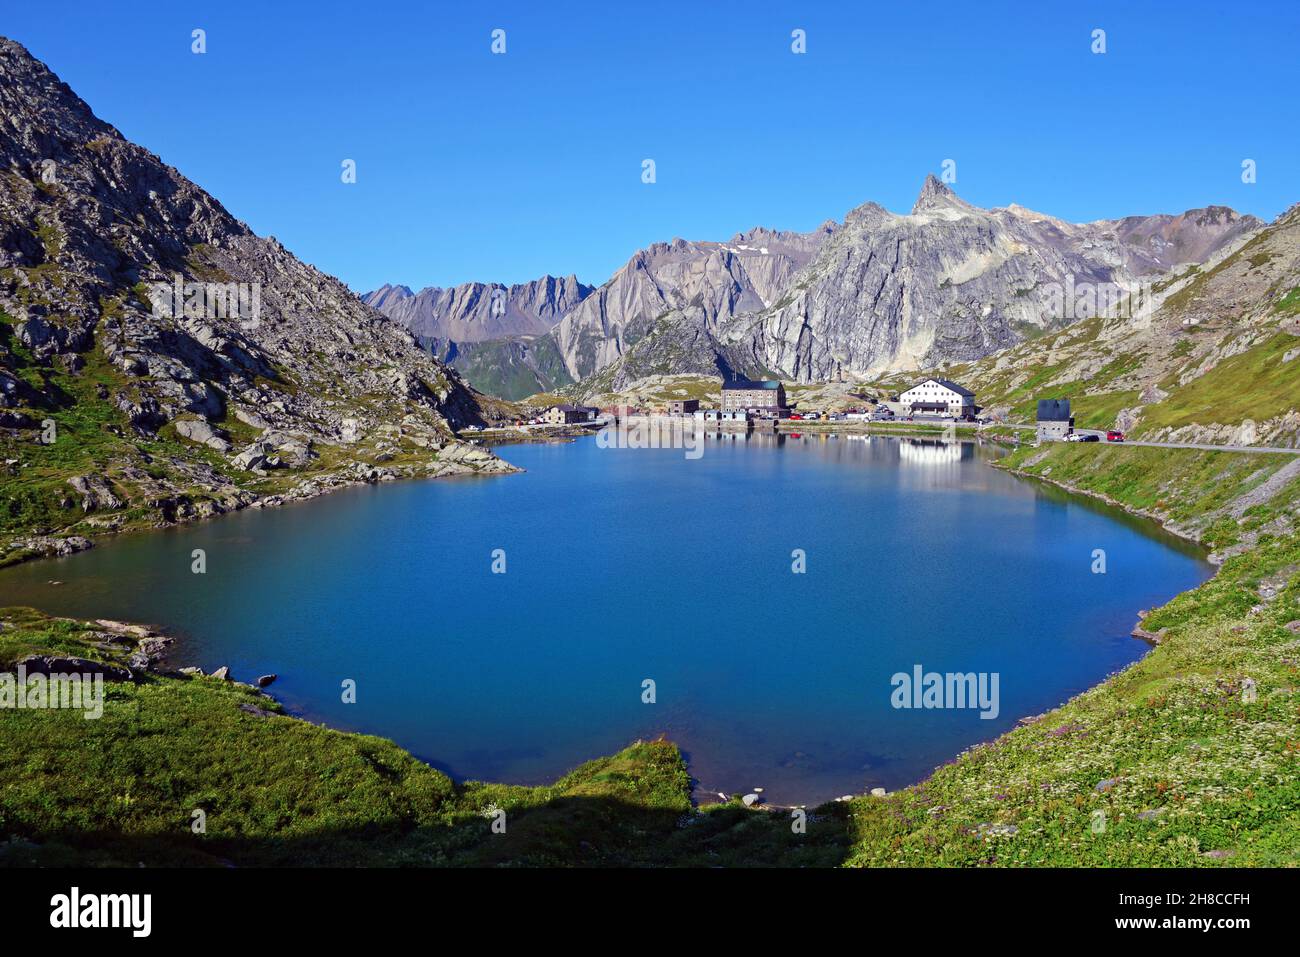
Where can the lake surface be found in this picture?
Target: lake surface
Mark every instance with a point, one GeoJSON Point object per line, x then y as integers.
{"type": "Point", "coordinates": [631, 564]}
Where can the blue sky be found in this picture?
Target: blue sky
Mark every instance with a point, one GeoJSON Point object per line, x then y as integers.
{"type": "Point", "coordinates": [475, 166]}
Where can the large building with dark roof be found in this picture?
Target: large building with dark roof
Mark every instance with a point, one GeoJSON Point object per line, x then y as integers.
{"type": "Point", "coordinates": [569, 414]}
{"type": "Point", "coordinates": [767, 396]}
{"type": "Point", "coordinates": [938, 397]}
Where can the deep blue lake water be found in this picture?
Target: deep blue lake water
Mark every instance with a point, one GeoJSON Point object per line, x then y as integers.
{"type": "Point", "coordinates": [625, 565]}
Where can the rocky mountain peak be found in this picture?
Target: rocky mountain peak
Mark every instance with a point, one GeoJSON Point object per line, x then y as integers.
{"type": "Point", "coordinates": [933, 195]}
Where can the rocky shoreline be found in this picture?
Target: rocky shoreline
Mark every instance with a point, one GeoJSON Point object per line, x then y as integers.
{"type": "Point", "coordinates": [460, 458]}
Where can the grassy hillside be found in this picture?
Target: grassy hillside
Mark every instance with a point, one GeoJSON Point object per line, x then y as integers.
{"type": "Point", "coordinates": [513, 368]}
{"type": "Point", "coordinates": [1218, 360]}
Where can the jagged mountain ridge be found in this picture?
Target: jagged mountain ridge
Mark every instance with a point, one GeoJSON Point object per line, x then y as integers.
{"type": "Point", "coordinates": [193, 408]}
{"type": "Point", "coordinates": [884, 292]}
{"type": "Point", "coordinates": [714, 280]}
{"type": "Point", "coordinates": [475, 311]}
{"type": "Point", "coordinates": [952, 282]}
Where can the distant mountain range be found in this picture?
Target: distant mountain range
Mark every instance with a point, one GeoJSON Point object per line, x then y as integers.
{"type": "Point", "coordinates": [477, 311]}
{"type": "Point", "coordinates": [880, 293]}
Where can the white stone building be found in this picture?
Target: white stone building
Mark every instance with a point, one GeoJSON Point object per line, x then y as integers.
{"type": "Point", "coordinates": [938, 397]}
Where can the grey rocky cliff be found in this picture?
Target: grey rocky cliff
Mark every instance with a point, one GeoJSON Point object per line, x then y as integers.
{"type": "Point", "coordinates": [950, 282]}
{"type": "Point", "coordinates": [92, 227]}
{"type": "Point", "coordinates": [720, 280]}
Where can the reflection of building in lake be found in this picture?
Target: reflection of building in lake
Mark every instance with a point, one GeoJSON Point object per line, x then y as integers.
{"type": "Point", "coordinates": [930, 453]}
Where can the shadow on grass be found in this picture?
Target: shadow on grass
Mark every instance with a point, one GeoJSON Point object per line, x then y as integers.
{"type": "Point", "coordinates": [564, 832]}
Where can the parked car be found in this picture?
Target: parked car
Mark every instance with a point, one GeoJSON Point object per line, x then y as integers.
{"type": "Point", "coordinates": [1114, 435]}
{"type": "Point", "coordinates": [1090, 437]}
{"type": "Point", "coordinates": [1074, 437]}
{"type": "Point", "coordinates": [796, 417]}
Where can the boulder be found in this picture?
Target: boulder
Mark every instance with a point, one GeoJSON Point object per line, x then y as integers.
{"type": "Point", "coordinates": [249, 417]}
{"type": "Point", "coordinates": [16, 420]}
{"type": "Point", "coordinates": [95, 492]}
{"type": "Point", "coordinates": [200, 431]}
{"type": "Point", "coordinates": [222, 673]}
{"type": "Point", "coordinates": [265, 680]}
{"type": "Point", "coordinates": [122, 628]}
{"type": "Point", "coordinates": [250, 460]}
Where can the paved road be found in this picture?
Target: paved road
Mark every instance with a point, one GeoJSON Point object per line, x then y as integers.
{"type": "Point", "coordinates": [1101, 433]}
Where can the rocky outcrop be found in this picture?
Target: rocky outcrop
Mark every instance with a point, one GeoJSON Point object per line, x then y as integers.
{"type": "Point", "coordinates": [67, 665]}
{"type": "Point", "coordinates": [200, 431]}
{"type": "Point", "coordinates": [95, 493]}
{"type": "Point", "coordinates": [47, 546]}
{"type": "Point", "coordinates": [110, 258]}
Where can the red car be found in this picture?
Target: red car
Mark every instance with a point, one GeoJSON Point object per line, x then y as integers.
{"type": "Point", "coordinates": [1114, 436]}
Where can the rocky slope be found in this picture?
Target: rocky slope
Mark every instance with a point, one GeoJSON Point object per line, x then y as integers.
{"type": "Point", "coordinates": [121, 403]}
{"type": "Point", "coordinates": [1217, 360]}
{"type": "Point", "coordinates": [716, 281]}
{"type": "Point", "coordinates": [951, 282]}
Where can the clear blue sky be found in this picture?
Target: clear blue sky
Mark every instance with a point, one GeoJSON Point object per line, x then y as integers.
{"type": "Point", "coordinates": [473, 166]}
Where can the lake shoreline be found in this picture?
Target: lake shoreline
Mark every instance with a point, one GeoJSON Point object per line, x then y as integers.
{"type": "Point", "coordinates": [306, 711]}
{"type": "Point", "coordinates": [1186, 535]}
{"type": "Point", "coordinates": [29, 546]}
